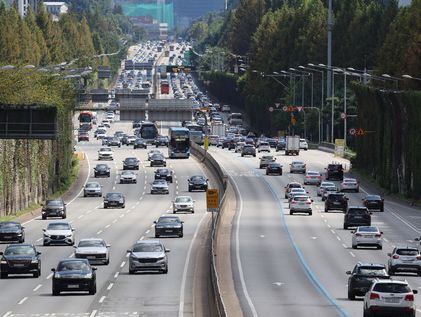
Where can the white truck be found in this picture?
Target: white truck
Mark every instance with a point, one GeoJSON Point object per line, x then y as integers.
{"type": "Point", "coordinates": [292, 145]}
{"type": "Point", "coordinates": [218, 129]}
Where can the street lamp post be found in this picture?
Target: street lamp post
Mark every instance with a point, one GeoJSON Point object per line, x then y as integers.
{"type": "Point", "coordinates": [322, 100]}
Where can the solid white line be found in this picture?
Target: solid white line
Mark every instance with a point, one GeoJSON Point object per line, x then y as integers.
{"type": "Point", "coordinates": [110, 286]}
{"type": "Point", "coordinates": [385, 240]}
{"type": "Point", "coordinates": [22, 300]}
{"type": "Point", "coordinates": [102, 299]}
{"type": "Point", "coordinates": [7, 314]}
{"type": "Point", "coordinates": [123, 264]}
{"type": "Point", "coordinates": [50, 276]}
{"type": "Point", "coordinates": [186, 266]}
{"type": "Point", "coordinates": [122, 215]}
{"type": "Point", "coordinates": [116, 274]}
{"type": "Point", "coordinates": [37, 288]}
{"type": "Point", "coordinates": [93, 313]}
{"type": "Point", "coordinates": [142, 237]}
{"type": "Point", "coordinates": [329, 226]}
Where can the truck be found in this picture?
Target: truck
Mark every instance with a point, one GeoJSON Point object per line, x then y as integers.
{"type": "Point", "coordinates": [218, 129]}
{"type": "Point", "coordinates": [292, 145]}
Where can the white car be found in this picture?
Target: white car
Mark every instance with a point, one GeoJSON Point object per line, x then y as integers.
{"type": "Point", "coordinates": [303, 144]}
{"type": "Point", "coordinates": [213, 139]}
{"type": "Point", "coordinates": [153, 152]}
{"type": "Point", "coordinates": [263, 147]}
{"type": "Point", "coordinates": [106, 123]}
{"type": "Point", "coordinates": [239, 147]}
{"type": "Point", "coordinates": [105, 153]}
{"type": "Point", "coordinates": [367, 236]}
{"type": "Point", "coordinates": [404, 259]}
{"type": "Point", "coordinates": [349, 184]}
{"type": "Point", "coordinates": [100, 134]}
{"type": "Point", "coordinates": [322, 186]}
{"type": "Point", "coordinates": [159, 186]}
{"type": "Point", "coordinates": [296, 192]}
{"type": "Point", "coordinates": [312, 178]}
{"type": "Point", "coordinates": [301, 203]}
{"type": "Point", "coordinates": [290, 186]}
{"type": "Point", "coordinates": [59, 233]}
{"type": "Point", "coordinates": [95, 250]}
{"type": "Point", "coordinates": [390, 298]}
{"type": "Point", "coordinates": [226, 108]}
{"type": "Point", "coordinates": [128, 177]}
{"type": "Point", "coordinates": [183, 203]}
{"type": "Point", "coordinates": [297, 167]}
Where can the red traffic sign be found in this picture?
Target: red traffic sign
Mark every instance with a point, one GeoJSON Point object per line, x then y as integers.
{"type": "Point", "coordinates": [271, 109]}
{"type": "Point", "coordinates": [352, 131]}
{"type": "Point", "coordinates": [343, 115]}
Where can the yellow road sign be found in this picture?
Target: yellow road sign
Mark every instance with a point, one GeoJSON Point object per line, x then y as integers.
{"type": "Point", "coordinates": [206, 143]}
{"type": "Point", "coordinates": [212, 199]}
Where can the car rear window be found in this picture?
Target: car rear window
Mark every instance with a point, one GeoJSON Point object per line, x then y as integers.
{"type": "Point", "coordinates": [357, 211]}
{"type": "Point", "coordinates": [372, 271]}
{"type": "Point", "coordinates": [300, 198]}
{"type": "Point", "coordinates": [407, 252]}
{"type": "Point", "coordinates": [367, 229]}
{"type": "Point", "coordinates": [336, 196]}
{"type": "Point", "coordinates": [391, 288]}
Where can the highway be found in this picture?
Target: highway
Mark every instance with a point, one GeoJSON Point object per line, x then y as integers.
{"type": "Point", "coordinates": [118, 293]}
{"type": "Point", "coordinates": [295, 265]}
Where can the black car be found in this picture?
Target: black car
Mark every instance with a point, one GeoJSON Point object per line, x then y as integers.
{"type": "Point", "coordinates": [136, 124]}
{"type": "Point", "coordinates": [74, 275]}
{"type": "Point", "coordinates": [20, 259]}
{"type": "Point", "coordinates": [54, 208]}
{"type": "Point", "coordinates": [362, 276]}
{"type": "Point", "coordinates": [280, 145]}
{"type": "Point", "coordinates": [374, 202]}
{"type": "Point", "coordinates": [164, 173]}
{"type": "Point", "coordinates": [102, 170]}
{"type": "Point", "coordinates": [114, 200]}
{"type": "Point", "coordinates": [226, 142]}
{"type": "Point", "coordinates": [336, 201]}
{"type": "Point", "coordinates": [158, 160]}
{"type": "Point", "coordinates": [115, 141]}
{"type": "Point", "coordinates": [11, 231]}
{"type": "Point", "coordinates": [357, 216]}
{"type": "Point", "coordinates": [272, 142]}
{"type": "Point", "coordinates": [274, 168]}
{"type": "Point", "coordinates": [140, 144]}
{"type": "Point", "coordinates": [161, 141]}
{"type": "Point", "coordinates": [130, 163]}
{"type": "Point", "coordinates": [168, 226]}
{"type": "Point", "coordinates": [198, 183]}
{"type": "Point", "coordinates": [334, 172]}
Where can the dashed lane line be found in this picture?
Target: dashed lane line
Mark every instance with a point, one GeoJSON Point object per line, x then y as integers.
{"type": "Point", "coordinates": [101, 300]}
{"type": "Point", "coordinates": [49, 276]}
{"type": "Point", "coordinates": [123, 264]}
{"type": "Point", "coordinates": [22, 300]}
{"type": "Point", "coordinates": [116, 274]}
{"type": "Point", "coordinates": [37, 288]}
{"type": "Point", "coordinates": [110, 286]}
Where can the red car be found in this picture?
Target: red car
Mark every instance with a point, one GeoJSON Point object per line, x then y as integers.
{"type": "Point", "coordinates": [83, 136]}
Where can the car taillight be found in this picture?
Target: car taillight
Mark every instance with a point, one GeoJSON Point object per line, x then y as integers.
{"type": "Point", "coordinates": [395, 256]}
{"type": "Point", "coordinates": [419, 257]}
{"type": "Point", "coordinates": [308, 176]}
{"type": "Point", "coordinates": [409, 297]}
{"type": "Point", "coordinates": [358, 234]}
{"type": "Point", "coordinates": [319, 177]}
{"type": "Point", "coordinates": [378, 235]}
{"type": "Point", "coordinates": [374, 296]}
{"type": "Point", "coordinates": [308, 202]}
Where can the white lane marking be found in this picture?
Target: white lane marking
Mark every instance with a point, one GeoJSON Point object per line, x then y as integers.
{"type": "Point", "coordinates": [147, 231]}
{"type": "Point", "coordinates": [122, 215]}
{"type": "Point", "coordinates": [338, 237]}
{"type": "Point", "coordinates": [110, 286]}
{"type": "Point", "coordinates": [153, 225]}
{"type": "Point", "coordinates": [113, 187]}
{"type": "Point", "coordinates": [93, 313]}
{"type": "Point", "coordinates": [385, 240]}
{"type": "Point", "coordinates": [80, 217]}
{"type": "Point", "coordinates": [262, 236]}
{"type": "Point", "coordinates": [333, 231]}
{"type": "Point", "coordinates": [7, 314]}
{"type": "Point", "coordinates": [115, 220]}
{"type": "Point", "coordinates": [352, 254]}
{"type": "Point", "coordinates": [127, 254]}
{"type": "Point", "coordinates": [39, 240]}
{"type": "Point", "coordinates": [186, 266]}
{"type": "Point", "coordinates": [71, 255]}
{"type": "Point", "coordinates": [22, 300]}
{"type": "Point", "coordinates": [50, 276]}
{"type": "Point", "coordinates": [107, 226]}
{"type": "Point", "coordinates": [142, 237]}
{"type": "Point", "coordinates": [102, 299]}
{"type": "Point", "coordinates": [123, 264]}
{"type": "Point", "coordinates": [329, 226]}
{"type": "Point", "coordinates": [99, 232]}
{"type": "Point", "coordinates": [116, 274]}
{"type": "Point", "coordinates": [37, 288]}
{"type": "Point", "coordinates": [344, 245]}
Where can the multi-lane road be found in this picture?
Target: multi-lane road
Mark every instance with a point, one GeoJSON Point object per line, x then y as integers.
{"type": "Point", "coordinates": [118, 293]}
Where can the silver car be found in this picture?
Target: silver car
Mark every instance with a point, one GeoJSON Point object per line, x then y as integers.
{"type": "Point", "coordinates": [327, 191]}
{"type": "Point", "coordinates": [350, 184]}
{"type": "Point", "coordinates": [322, 187]}
{"type": "Point", "coordinates": [297, 167]}
{"type": "Point", "coordinates": [367, 236]}
{"type": "Point", "coordinates": [148, 255]}
{"type": "Point", "coordinates": [265, 160]}
{"type": "Point", "coordinates": [105, 153]}
{"type": "Point", "coordinates": [59, 233]}
{"type": "Point", "coordinates": [159, 186]}
{"type": "Point", "coordinates": [404, 259]}
{"type": "Point", "coordinates": [312, 178]}
{"type": "Point", "coordinates": [95, 250]}
{"type": "Point", "coordinates": [296, 192]}
{"type": "Point", "coordinates": [128, 177]}
{"type": "Point", "coordinates": [183, 203]}
{"type": "Point", "coordinates": [92, 189]}
{"type": "Point", "coordinates": [301, 203]}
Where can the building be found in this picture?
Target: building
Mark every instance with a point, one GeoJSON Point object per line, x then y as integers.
{"type": "Point", "coordinates": [24, 5]}
{"type": "Point", "coordinates": [56, 9]}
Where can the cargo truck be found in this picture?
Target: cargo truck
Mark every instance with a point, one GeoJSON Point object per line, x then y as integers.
{"type": "Point", "coordinates": [218, 129]}
{"type": "Point", "coordinates": [292, 146]}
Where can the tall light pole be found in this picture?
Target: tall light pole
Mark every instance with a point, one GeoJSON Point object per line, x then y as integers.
{"type": "Point", "coordinates": [329, 81]}
{"type": "Point", "coordinates": [322, 100]}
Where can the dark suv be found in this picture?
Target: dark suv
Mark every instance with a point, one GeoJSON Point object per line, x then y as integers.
{"type": "Point", "coordinates": [362, 276]}
{"type": "Point", "coordinates": [334, 172]}
{"type": "Point", "coordinates": [336, 201]}
{"type": "Point", "coordinates": [54, 208]}
{"type": "Point", "coordinates": [357, 216]}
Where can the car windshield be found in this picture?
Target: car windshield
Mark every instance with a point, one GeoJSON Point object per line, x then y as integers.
{"type": "Point", "coordinates": [313, 173]}
{"type": "Point", "coordinates": [9, 225]}
{"type": "Point", "coordinates": [392, 288]}
{"type": "Point", "coordinates": [58, 226]}
{"type": "Point", "coordinates": [297, 163]}
{"type": "Point", "coordinates": [157, 157]}
{"type": "Point", "coordinates": [407, 252]}
{"type": "Point", "coordinates": [92, 185]}
{"type": "Point", "coordinates": [114, 196]}
{"type": "Point", "coordinates": [372, 271]}
{"type": "Point", "coordinates": [334, 167]}
{"type": "Point", "coordinates": [155, 152]}
{"type": "Point", "coordinates": [267, 157]}
{"type": "Point", "coordinates": [368, 229]}
{"type": "Point", "coordinates": [324, 184]}
{"type": "Point", "coordinates": [336, 196]}
{"type": "Point", "coordinates": [73, 266]}
{"type": "Point", "coordinates": [168, 220]}
{"type": "Point", "coordinates": [358, 211]}
{"type": "Point", "coordinates": [148, 247]}
{"type": "Point", "coordinates": [91, 243]}
{"type": "Point", "coordinates": [19, 250]}
{"type": "Point", "coordinates": [101, 167]}
{"type": "Point", "coordinates": [162, 171]}
{"type": "Point", "coordinates": [197, 178]}
{"type": "Point", "coordinates": [51, 203]}
{"type": "Point", "coordinates": [127, 173]}
{"type": "Point", "coordinates": [373, 197]}
{"type": "Point", "coordinates": [350, 181]}
{"type": "Point", "coordinates": [330, 189]}
{"type": "Point", "coordinates": [105, 149]}
{"type": "Point", "coordinates": [298, 190]}
{"type": "Point", "coordinates": [183, 199]}
{"type": "Point", "coordinates": [294, 185]}
{"type": "Point", "coordinates": [130, 160]}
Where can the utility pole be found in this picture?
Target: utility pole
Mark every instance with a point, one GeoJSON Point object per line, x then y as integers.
{"type": "Point", "coordinates": [329, 64]}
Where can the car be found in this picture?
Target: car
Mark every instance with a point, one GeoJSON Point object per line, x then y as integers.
{"type": "Point", "coordinates": [323, 185]}
{"type": "Point", "coordinates": [272, 142]}
{"type": "Point", "coordinates": [115, 141]}
{"type": "Point", "coordinates": [159, 186]}
{"type": "Point", "coordinates": [361, 277]}
{"type": "Point", "coordinates": [129, 140]}
{"type": "Point", "coordinates": [297, 167]}
{"type": "Point", "coordinates": [312, 178]}
{"type": "Point", "coordinates": [131, 163]}
{"type": "Point", "coordinates": [105, 153]}
{"type": "Point", "coordinates": [139, 144]}
{"type": "Point", "coordinates": [226, 142]}
{"type": "Point", "coordinates": [114, 200]}
{"type": "Point", "coordinates": [349, 184]}
{"type": "Point", "coordinates": [168, 226]}
{"type": "Point", "coordinates": [373, 202]}
{"type": "Point", "coordinates": [387, 297]}
{"type": "Point", "coordinates": [83, 136]}
{"type": "Point", "coordinates": [263, 147]}
{"type": "Point", "coordinates": [239, 147]}
{"type": "Point", "coordinates": [198, 182]}
{"type": "Point", "coordinates": [247, 149]}
{"type": "Point", "coordinates": [265, 160]}
{"type": "Point", "coordinates": [213, 140]}
{"type": "Point", "coordinates": [296, 192]}
{"type": "Point", "coordinates": [183, 203]}
{"type": "Point", "coordinates": [302, 204]}
{"type": "Point", "coordinates": [290, 186]}
{"type": "Point", "coordinates": [274, 168]}
{"type": "Point", "coordinates": [136, 124]}
{"type": "Point", "coordinates": [92, 189]}
{"type": "Point", "coordinates": [105, 140]}
{"type": "Point", "coordinates": [20, 259]}
{"type": "Point", "coordinates": [164, 173]}
{"type": "Point", "coordinates": [59, 233]}
{"type": "Point", "coordinates": [328, 190]}
{"type": "Point", "coordinates": [280, 145]}
{"type": "Point", "coordinates": [72, 275]}
{"type": "Point", "coordinates": [106, 123]}
{"type": "Point", "coordinates": [303, 144]}
{"type": "Point", "coordinates": [357, 216]}
{"type": "Point", "coordinates": [367, 236]}
{"type": "Point", "coordinates": [102, 170]}
{"type": "Point", "coordinates": [336, 201]}
{"type": "Point", "coordinates": [95, 250]}
{"type": "Point", "coordinates": [161, 141]}
{"type": "Point", "coordinates": [334, 172]}
{"type": "Point", "coordinates": [148, 255]}
{"type": "Point", "coordinates": [128, 177]}
{"type": "Point", "coordinates": [54, 208]}
{"type": "Point", "coordinates": [12, 231]}
{"type": "Point", "coordinates": [158, 160]}
{"type": "Point", "coordinates": [100, 131]}
{"type": "Point", "coordinates": [153, 152]}
{"type": "Point", "coordinates": [226, 108]}
{"type": "Point", "coordinates": [404, 259]}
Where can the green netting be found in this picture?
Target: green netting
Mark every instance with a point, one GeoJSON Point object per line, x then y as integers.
{"type": "Point", "coordinates": [163, 13]}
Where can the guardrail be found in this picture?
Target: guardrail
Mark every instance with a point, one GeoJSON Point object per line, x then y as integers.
{"type": "Point", "coordinates": [222, 179]}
